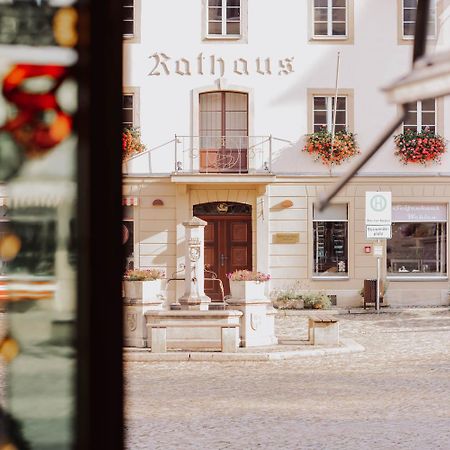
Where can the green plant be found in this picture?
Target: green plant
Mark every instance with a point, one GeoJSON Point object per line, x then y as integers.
{"type": "Point", "coordinates": [289, 297]}
{"type": "Point", "coordinates": [316, 300]}
{"type": "Point", "coordinates": [143, 275]}
{"type": "Point", "coordinates": [131, 143]}
{"type": "Point", "coordinates": [331, 150]}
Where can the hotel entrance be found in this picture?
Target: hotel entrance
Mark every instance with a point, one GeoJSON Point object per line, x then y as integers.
{"type": "Point", "coordinates": [228, 242]}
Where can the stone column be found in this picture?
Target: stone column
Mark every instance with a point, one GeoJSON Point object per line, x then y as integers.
{"type": "Point", "coordinates": [194, 297]}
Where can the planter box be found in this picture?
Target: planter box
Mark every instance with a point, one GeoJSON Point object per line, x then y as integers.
{"type": "Point", "coordinates": [142, 290]}
{"type": "Point", "coordinates": [248, 290]}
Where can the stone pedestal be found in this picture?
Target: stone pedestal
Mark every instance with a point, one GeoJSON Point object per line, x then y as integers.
{"type": "Point", "coordinates": [139, 297]}
{"type": "Point", "coordinates": [194, 297]}
{"type": "Point", "coordinates": [257, 324]}
{"type": "Point", "coordinates": [194, 330]}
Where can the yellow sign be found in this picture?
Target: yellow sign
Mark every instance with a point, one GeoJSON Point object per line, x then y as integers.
{"type": "Point", "coordinates": [286, 238]}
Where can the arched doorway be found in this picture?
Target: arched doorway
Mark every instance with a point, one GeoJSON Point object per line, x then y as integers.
{"type": "Point", "coordinates": [228, 241]}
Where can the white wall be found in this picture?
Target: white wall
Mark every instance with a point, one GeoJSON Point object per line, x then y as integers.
{"type": "Point", "coordinates": [280, 108]}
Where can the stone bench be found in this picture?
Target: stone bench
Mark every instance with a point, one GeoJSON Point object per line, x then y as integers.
{"type": "Point", "coordinates": [193, 330]}
{"type": "Point", "coordinates": [323, 330]}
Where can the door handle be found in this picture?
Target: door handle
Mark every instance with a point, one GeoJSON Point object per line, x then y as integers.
{"type": "Point", "coordinates": [222, 259]}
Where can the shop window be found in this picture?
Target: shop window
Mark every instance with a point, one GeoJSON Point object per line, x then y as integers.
{"type": "Point", "coordinates": [419, 241]}
{"type": "Point", "coordinates": [128, 236]}
{"type": "Point", "coordinates": [4, 231]}
{"type": "Point", "coordinates": [330, 18]}
{"type": "Point", "coordinates": [421, 116]}
{"type": "Point", "coordinates": [323, 113]}
{"type": "Point", "coordinates": [330, 229]}
{"type": "Point", "coordinates": [408, 18]}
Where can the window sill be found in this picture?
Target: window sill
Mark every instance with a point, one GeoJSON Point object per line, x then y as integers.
{"type": "Point", "coordinates": [330, 277]}
{"type": "Point", "coordinates": [223, 38]}
{"type": "Point", "coordinates": [416, 278]}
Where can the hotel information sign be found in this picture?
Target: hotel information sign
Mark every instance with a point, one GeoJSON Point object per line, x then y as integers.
{"type": "Point", "coordinates": [378, 208]}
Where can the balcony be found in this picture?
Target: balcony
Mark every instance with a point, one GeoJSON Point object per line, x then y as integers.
{"type": "Point", "coordinates": [223, 155]}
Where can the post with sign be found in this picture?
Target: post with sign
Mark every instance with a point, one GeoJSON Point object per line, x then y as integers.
{"type": "Point", "coordinates": [378, 226]}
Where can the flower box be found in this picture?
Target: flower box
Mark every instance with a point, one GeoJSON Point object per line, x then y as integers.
{"type": "Point", "coordinates": [142, 290]}
{"type": "Point", "coordinates": [248, 290]}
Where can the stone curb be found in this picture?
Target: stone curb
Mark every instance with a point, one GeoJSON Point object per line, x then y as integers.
{"type": "Point", "coordinates": [347, 346]}
{"type": "Point", "coordinates": [342, 311]}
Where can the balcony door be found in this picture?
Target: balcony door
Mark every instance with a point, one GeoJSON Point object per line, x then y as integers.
{"type": "Point", "coordinates": [223, 132]}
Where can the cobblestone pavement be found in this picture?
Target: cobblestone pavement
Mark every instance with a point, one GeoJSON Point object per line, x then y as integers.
{"type": "Point", "coordinates": [395, 395]}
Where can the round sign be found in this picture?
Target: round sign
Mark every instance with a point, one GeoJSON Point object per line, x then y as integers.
{"type": "Point", "coordinates": [378, 203]}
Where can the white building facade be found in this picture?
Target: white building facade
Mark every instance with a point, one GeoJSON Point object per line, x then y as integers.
{"type": "Point", "coordinates": [224, 92]}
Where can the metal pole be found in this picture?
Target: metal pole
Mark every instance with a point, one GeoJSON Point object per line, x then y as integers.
{"type": "Point", "coordinates": [175, 146]}
{"type": "Point", "coordinates": [377, 300]}
{"type": "Point", "coordinates": [270, 153]}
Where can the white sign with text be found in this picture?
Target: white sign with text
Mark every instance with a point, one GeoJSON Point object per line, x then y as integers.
{"type": "Point", "coordinates": [378, 232]}
{"type": "Point", "coordinates": [378, 208]}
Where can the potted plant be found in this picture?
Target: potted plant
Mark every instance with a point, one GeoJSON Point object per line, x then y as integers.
{"type": "Point", "coordinates": [248, 285]}
{"type": "Point", "coordinates": [316, 300]}
{"type": "Point", "coordinates": [143, 285]}
{"type": "Point", "coordinates": [331, 151]}
{"type": "Point", "coordinates": [131, 143]}
{"type": "Point", "coordinates": [422, 147]}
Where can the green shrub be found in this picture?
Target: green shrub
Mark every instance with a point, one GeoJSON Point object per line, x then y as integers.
{"type": "Point", "coordinates": [316, 300]}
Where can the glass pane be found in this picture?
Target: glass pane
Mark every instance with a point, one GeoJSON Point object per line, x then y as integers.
{"type": "Point", "coordinates": [127, 115]}
{"type": "Point", "coordinates": [340, 128]}
{"type": "Point", "coordinates": [210, 121]}
{"type": "Point", "coordinates": [332, 212]}
{"type": "Point", "coordinates": [128, 27]}
{"type": "Point", "coordinates": [417, 248]}
{"type": "Point", "coordinates": [233, 2]}
{"type": "Point", "coordinates": [428, 105]}
{"type": "Point", "coordinates": [320, 3]}
{"type": "Point", "coordinates": [128, 13]}
{"type": "Point", "coordinates": [128, 2]}
{"type": "Point", "coordinates": [215, 13]}
{"type": "Point", "coordinates": [339, 3]}
{"type": "Point", "coordinates": [320, 103]}
{"type": "Point", "coordinates": [339, 29]}
{"type": "Point", "coordinates": [428, 118]}
{"type": "Point", "coordinates": [408, 29]}
{"type": "Point", "coordinates": [330, 248]}
{"type": "Point", "coordinates": [320, 117]}
{"type": "Point", "coordinates": [236, 121]}
{"type": "Point", "coordinates": [410, 127]}
{"type": "Point", "coordinates": [412, 107]}
{"type": "Point", "coordinates": [339, 14]}
{"type": "Point", "coordinates": [411, 118]}
{"type": "Point", "coordinates": [410, 3]}
{"type": "Point", "coordinates": [215, 2]}
{"type": "Point", "coordinates": [233, 28]}
{"type": "Point", "coordinates": [211, 101]}
{"type": "Point", "coordinates": [320, 14]}
{"type": "Point", "coordinates": [233, 13]}
{"type": "Point", "coordinates": [340, 118]}
{"type": "Point", "coordinates": [341, 102]}
{"type": "Point", "coordinates": [319, 127]}
{"type": "Point", "coordinates": [432, 129]}
{"type": "Point", "coordinates": [320, 29]}
{"type": "Point", "coordinates": [215, 27]}
{"type": "Point", "coordinates": [409, 15]}
{"type": "Point", "coordinates": [235, 101]}
{"type": "Point", "coordinates": [127, 101]}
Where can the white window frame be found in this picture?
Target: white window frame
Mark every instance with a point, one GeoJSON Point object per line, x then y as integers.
{"type": "Point", "coordinates": [329, 110]}
{"type": "Point", "coordinates": [421, 276]}
{"type": "Point", "coordinates": [419, 125]}
{"type": "Point", "coordinates": [330, 34]}
{"type": "Point", "coordinates": [315, 274]}
{"type": "Point", "coordinates": [135, 93]}
{"type": "Point", "coordinates": [134, 37]}
{"type": "Point", "coordinates": [243, 27]}
{"type": "Point", "coordinates": [432, 32]}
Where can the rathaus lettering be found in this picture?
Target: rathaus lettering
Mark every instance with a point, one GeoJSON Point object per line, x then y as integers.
{"type": "Point", "coordinates": [164, 64]}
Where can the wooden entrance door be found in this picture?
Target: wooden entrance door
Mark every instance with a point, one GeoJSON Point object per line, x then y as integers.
{"type": "Point", "coordinates": [228, 247]}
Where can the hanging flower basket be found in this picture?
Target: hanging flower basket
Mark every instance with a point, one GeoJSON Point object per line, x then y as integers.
{"type": "Point", "coordinates": [131, 143]}
{"type": "Point", "coordinates": [320, 146]}
{"type": "Point", "coordinates": [419, 147]}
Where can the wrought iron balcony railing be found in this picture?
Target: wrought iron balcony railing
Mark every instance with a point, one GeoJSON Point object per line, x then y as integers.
{"type": "Point", "coordinates": [223, 154]}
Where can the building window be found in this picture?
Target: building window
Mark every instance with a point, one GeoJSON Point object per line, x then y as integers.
{"type": "Point", "coordinates": [128, 236]}
{"type": "Point", "coordinates": [419, 241]}
{"type": "Point", "coordinates": [409, 9]}
{"type": "Point", "coordinates": [330, 229]}
{"type": "Point", "coordinates": [225, 19]}
{"type": "Point", "coordinates": [323, 113]}
{"type": "Point", "coordinates": [330, 18]}
{"type": "Point", "coordinates": [128, 18]}
{"type": "Point", "coordinates": [128, 110]}
{"type": "Point", "coordinates": [421, 115]}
